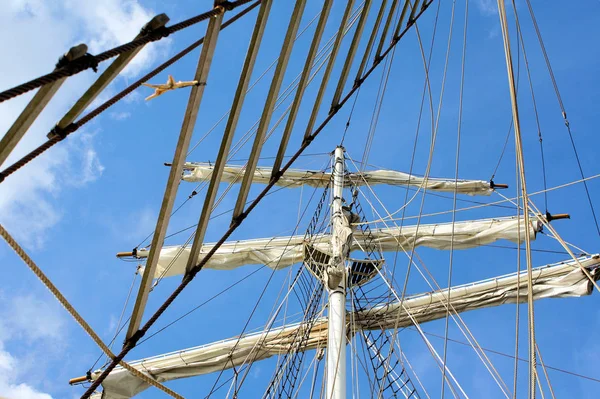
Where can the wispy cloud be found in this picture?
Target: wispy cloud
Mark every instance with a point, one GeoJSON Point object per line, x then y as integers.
{"type": "Point", "coordinates": [119, 116]}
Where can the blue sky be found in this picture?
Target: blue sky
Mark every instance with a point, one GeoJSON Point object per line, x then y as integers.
{"type": "Point", "coordinates": [98, 192]}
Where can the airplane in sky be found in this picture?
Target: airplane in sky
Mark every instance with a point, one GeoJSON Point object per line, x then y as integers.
{"type": "Point", "coordinates": [170, 85]}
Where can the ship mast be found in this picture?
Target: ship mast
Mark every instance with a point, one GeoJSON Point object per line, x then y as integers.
{"type": "Point", "coordinates": [335, 279]}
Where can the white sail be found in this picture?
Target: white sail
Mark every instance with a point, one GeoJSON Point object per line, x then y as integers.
{"type": "Point", "coordinates": [195, 172]}
{"type": "Point", "coordinates": [559, 280]}
{"type": "Point", "coordinates": [281, 252]}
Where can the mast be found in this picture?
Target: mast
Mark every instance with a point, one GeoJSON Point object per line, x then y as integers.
{"type": "Point", "coordinates": [336, 284]}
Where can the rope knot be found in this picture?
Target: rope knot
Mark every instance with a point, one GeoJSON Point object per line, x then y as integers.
{"type": "Point", "coordinates": [79, 64]}
{"type": "Point", "coordinates": [159, 33]}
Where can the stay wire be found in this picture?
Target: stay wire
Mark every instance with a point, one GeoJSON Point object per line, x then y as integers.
{"type": "Point", "coordinates": [564, 112]}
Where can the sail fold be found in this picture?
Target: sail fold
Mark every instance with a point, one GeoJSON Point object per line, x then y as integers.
{"type": "Point", "coordinates": [559, 280]}
{"type": "Point", "coordinates": [281, 252]}
{"type": "Point", "coordinates": [195, 172]}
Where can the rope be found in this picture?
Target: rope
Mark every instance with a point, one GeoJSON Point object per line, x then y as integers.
{"type": "Point", "coordinates": [69, 308]}
{"type": "Point", "coordinates": [92, 61]}
{"type": "Point", "coordinates": [563, 111]}
{"type": "Point", "coordinates": [190, 276]}
{"type": "Point", "coordinates": [60, 134]}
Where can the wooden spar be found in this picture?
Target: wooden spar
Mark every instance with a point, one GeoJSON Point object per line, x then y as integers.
{"type": "Point", "coordinates": [232, 121]}
{"type": "Point", "coordinates": [187, 128]}
{"type": "Point", "coordinates": [269, 106]}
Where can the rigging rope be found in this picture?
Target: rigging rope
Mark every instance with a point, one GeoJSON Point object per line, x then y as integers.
{"type": "Point", "coordinates": [563, 111]}
{"type": "Point", "coordinates": [451, 264]}
{"type": "Point", "coordinates": [76, 316]}
{"type": "Point", "coordinates": [92, 61]}
{"type": "Point", "coordinates": [464, 329]}
{"type": "Point", "coordinates": [60, 134]}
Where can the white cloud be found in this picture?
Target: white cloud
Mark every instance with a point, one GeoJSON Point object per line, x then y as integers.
{"type": "Point", "coordinates": [487, 7]}
{"type": "Point", "coordinates": [40, 32]}
{"type": "Point", "coordinates": [32, 322]}
{"type": "Point", "coordinates": [9, 388]}
{"type": "Point", "coordinates": [119, 116]}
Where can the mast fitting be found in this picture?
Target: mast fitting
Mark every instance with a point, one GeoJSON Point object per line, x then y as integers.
{"type": "Point", "coordinates": [550, 217]}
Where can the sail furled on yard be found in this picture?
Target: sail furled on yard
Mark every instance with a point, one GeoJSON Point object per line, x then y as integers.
{"type": "Point", "coordinates": [281, 252]}
{"type": "Point", "coordinates": [560, 280]}
{"type": "Point", "coordinates": [195, 172]}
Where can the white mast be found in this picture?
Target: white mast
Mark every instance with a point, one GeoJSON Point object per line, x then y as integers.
{"type": "Point", "coordinates": [335, 279]}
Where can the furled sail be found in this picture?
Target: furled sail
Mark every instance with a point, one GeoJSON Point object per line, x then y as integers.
{"type": "Point", "coordinates": [281, 252]}
{"type": "Point", "coordinates": [559, 280]}
{"type": "Point", "coordinates": [194, 172]}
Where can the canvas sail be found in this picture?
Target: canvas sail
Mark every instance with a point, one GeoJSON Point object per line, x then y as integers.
{"type": "Point", "coordinates": [561, 280]}
{"type": "Point", "coordinates": [196, 172]}
{"type": "Point", "coordinates": [281, 252]}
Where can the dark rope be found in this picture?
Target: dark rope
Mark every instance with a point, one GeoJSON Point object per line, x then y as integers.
{"type": "Point", "coordinates": [91, 61]}
{"type": "Point", "coordinates": [60, 134]}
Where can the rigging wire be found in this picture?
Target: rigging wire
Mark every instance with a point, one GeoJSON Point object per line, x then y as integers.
{"type": "Point", "coordinates": [563, 111]}
{"type": "Point", "coordinates": [499, 353]}
{"type": "Point", "coordinates": [274, 313]}
{"type": "Point", "coordinates": [451, 264]}
{"type": "Point", "coordinates": [510, 126]}
{"type": "Point", "coordinates": [262, 75]}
